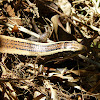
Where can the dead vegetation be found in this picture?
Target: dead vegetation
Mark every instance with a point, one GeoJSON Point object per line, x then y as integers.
{"type": "Point", "coordinates": [51, 78]}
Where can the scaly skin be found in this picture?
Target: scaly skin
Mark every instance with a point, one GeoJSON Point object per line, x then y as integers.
{"type": "Point", "coordinates": [19, 46]}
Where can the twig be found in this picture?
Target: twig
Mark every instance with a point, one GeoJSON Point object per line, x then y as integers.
{"type": "Point", "coordinates": [95, 28]}
{"type": "Point", "coordinates": [89, 60]}
{"type": "Point", "coordinates": [35, 27]}
{"type": "Point", "coordinates": [21, 28]}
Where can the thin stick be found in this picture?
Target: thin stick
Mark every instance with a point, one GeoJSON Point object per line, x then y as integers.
{"type": "Point", "coordinates": [21, 28]}
{"type": "Point", "coordinates": [89, 60]}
